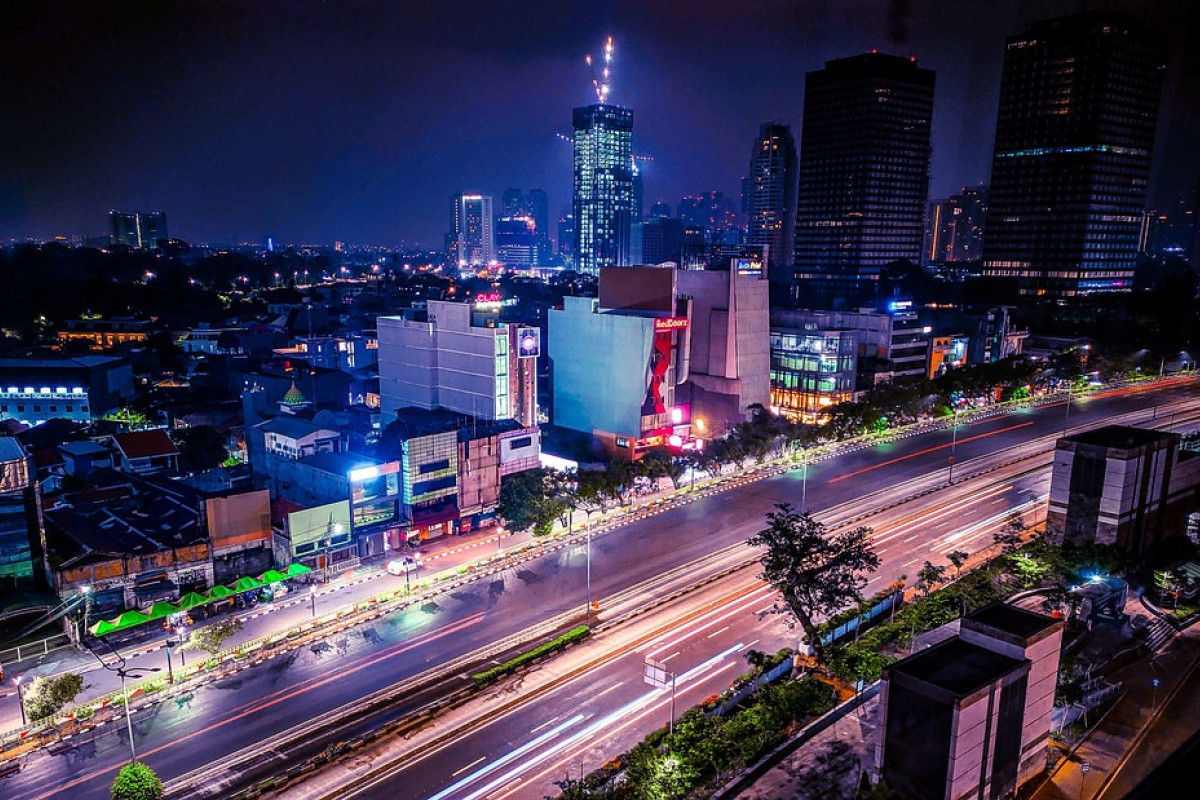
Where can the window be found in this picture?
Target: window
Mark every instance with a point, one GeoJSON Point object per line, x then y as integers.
{"type": "Point", "coordinates": [517, 444]}
{"type": "Point", "coordinates": [433, 466]}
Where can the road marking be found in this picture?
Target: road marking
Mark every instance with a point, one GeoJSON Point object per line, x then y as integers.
{"type": "Point", "coordinates": [747, 647]}
{"type": "Point", "coordinates": [467, 767]}
{"type": "Point", "coordinates": [718, 633]}
{"type": "Point", "coordinates": [612, 688]}
{"type": "Point", "coordinates": [668, 658]}
{"type": "Point", "coordinates": [547, 724]}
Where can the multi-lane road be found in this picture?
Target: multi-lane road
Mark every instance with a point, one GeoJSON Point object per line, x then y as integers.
{"type": "Point", "coordinates": [230, 715]}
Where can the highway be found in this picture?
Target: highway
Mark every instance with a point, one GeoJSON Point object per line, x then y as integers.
{"type": "Point", "coordinates": [231, 714]}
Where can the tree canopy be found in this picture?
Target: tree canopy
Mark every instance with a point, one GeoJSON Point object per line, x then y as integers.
{"type": "Point", "coordinates": [816, 572]}
{"type": "Point", "coordinates": [136, 781]}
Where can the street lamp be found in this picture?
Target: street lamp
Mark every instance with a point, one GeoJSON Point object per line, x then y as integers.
{"type": "Point", "coordinates": [588, 536]}
{"type": "Point", "coordinates": [1083, 771]}
{"type": "Point", "coordinates": [953, 445]}
{"type": "Point", "coordinates": [21, 699]}
{"type": "Point", "coordinates": [312, 599]}
{"type": "Point", "coordinates": [131, 673]}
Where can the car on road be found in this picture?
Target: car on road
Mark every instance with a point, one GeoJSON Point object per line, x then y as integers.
{"type": "Point", "coordinates": [401, 566]}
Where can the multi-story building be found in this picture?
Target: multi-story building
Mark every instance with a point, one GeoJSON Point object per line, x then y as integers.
{"type": "Point", "coordinates": [295, 438]}
{"type": "Point", "coordinates": [105, 334]}
{"type": "Point", "coordinates": [1079, 100]}
{"type": "Point", "coordinates": [517, 241]}
{"type": "Point", "coordinates": [863, 175]}
{"type": "Point", "coordinates": [662, 241]}
{"type": "Point", "coordinates": [659, 348]}
{"type": "Point", "coordinates": [603, 202]}
{"type": "Point", "coordinates": [812, 369]}
{"type": "Point", "coordinates": [21, 545]}
{"type": "Point", "coordinates": [538, 206]}
{"type": "Point", "coordinates": [141, 230]}
{"type": "Point", "coordinates": [471, 230]}
{"type": "Point", "coordinates": [771, 198]}
{"type": "Point", "coordinates": [1129, 487]}
{"type": "Point", "coordinates": [35, 390]}
{"type": "Point", "coordinates": [460, 357]}
{"type": "Point", "coordinates": [970, 716]}
{"type": "Point", "coordinates": [954, 228]}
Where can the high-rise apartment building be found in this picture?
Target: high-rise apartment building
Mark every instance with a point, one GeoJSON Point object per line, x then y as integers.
{"type": "Point", "coordinates": [141, 230]}
{"type": "Point", "coordinates": [603, 186]}
{"type": "Point", "coordinates": [771, 198]}
{"type": "Point", "coordinates": [472, 238]}
{"type": "Point", "coordinates": [1078, 107]}
{"type": "Point", "coordinates": [538, 206]}
{"type": "Point", "coordinates": [954, 227]}
{"type": "Point", "coordinates": [863, 175]}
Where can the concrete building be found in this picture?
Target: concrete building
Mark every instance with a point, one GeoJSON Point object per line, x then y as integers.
{"type": "Point", "coordinates": [295, 438]}
{"type": "Point", "coordinates": [141, 230]}
{"type": "Point", "coordinates": [659, 348]}
{"type": "Point", "coordinates": [145, 452]}
{"type": "Point", "coordinates": [603, 197]}
{"type": "Point", "coordinates": [105, 334]}
{"type": "Point", "coordinates": [969, 717]}
{"type": "Point", "coordinates": [471, 230]}
{"type": "Point", "coordinates": [771, 198]}
{"type": "Point", "coordinates": [863, 175]}
{"type": "Point", "coordinates": [33, 390]}
{"type": "Point", "coordinates": [954, 228]}
{"type": "Point", "coordinates": [812, 369]}
{"type": "Point", "coordinates": [459, 356]}
{"type": "Point", "coordinates": [1079, 98]}
{"type": "Point", "coordinates": [1123, 486]}
{"type": "Point", "coordinates": [22, 548]}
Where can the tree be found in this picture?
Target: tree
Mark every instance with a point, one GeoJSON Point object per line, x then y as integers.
{"type": "Point", "coordinates": [526, 502]}
{"type": "Point", "coordinates": [816, 572]}
{"type": "Point", "coordinates": [958, 558]}
{"type": "Point", "coordinates": [201, 447]}
{"type": "Point", "coordinates": [45, 696]}
{"type": "Point", "coordinates": [929, 576]}
{"type": "Point", "coordinates": [136, 781]}
{"type": "Point", "coordinates": [211, 638]}
{"type": "Point", "coordinates": [1009, 537]}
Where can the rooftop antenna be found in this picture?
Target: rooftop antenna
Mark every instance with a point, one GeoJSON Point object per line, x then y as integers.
{"type": "Point", "coordinates": [600, 81]}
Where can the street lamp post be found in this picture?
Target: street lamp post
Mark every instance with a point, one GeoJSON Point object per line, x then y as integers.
{"type": "Point", "coordinates": [953, 445]}
{"type": "Point", "coordinates": [1083, 771]}
{"type": "Point", "coordinates": [170, 671]}
{"type": "Point", "coordinates": [588, 537]}
{"type": "Point", "coordinates": [804, 482]}
{"type": "Point", "coordinates": [21, 699]}
{"type": "Point", "coordinates": [130, 673]}
{"type": "Point", "coordinates": [1070, 395]}
{"type": "Point", "coordinates": [312, 599]}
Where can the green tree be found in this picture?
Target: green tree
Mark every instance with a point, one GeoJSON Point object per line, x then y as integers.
{"type": "Point", "coordinates": [958, 558]}
{"type": "Point", "coordinates": [526, 501]}
{"type": "Point", "coordinates": [212, 638]}
{"type": "Point", "coordinates": [136, 781]}
{"type": "Point", "coordinates": [201, 447]}
{"type": "Point", "coordinates": [816, 572]}
{"type": "Point", "coordinates": [929, 576]}
{"type": "Point", "coordinates": [46, 696]}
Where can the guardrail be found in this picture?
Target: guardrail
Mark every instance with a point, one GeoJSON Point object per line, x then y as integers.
{"type": "Point", "coordinates": [40, 647]}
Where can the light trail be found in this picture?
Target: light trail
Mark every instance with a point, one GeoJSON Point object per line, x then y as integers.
{"type": "Point", "coordinates": [927, 451]}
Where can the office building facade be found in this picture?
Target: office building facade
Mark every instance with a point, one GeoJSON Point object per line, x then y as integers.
{"type": "Point", "coordinates": [1078, 108]}
{"type": "Point", "coordinates": [863, 175]}
{"type": "Point", "coordinates": [954, 228]}
{"type": "Point", "coordinates": [771, 198]}
{"type": "Point", "coordinates": [472, 235]}
{"type": "Point", "coordinates": [458, 356]}
{"type": "Point", "coordinates": [603, 201]}
{"type": "Point", "coordinates": [140, 230]}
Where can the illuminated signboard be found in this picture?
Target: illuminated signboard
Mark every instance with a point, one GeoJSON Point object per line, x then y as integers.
{"type": "Point", "coordinates": [529, 343]}
{"type": "Point", "coordinates": [488, 299]}
{"type": "Point", "coordinates": [670, 323]}
{"type": "Point", "coordinates": [748, 266]}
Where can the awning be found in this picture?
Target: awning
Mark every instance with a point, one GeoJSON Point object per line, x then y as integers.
{"type": "Point", "coordinates": [272, 576]}
{"type": "Point", "coordinates": [246, 584]}
{"type": "Point", "coordinates": [297, 569]}
{"type": "Point", "coordinates": [162, 609]}
{"type": "Point", "coordinates": [191, 600]}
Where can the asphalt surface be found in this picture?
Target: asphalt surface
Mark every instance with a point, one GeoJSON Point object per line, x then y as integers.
{"type": "Point", "coordinates": [178, 736]}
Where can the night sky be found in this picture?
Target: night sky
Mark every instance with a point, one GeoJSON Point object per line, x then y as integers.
{"type": "Point", "coordinates": [354, 120]}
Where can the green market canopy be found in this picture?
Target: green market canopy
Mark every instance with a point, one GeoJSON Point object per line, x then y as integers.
{"type": "Point", "coordinates": [163, 609]}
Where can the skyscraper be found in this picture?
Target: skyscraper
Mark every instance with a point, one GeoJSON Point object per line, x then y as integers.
{"type": "Point", "coordinates": [1078, 106]}
{"type": "Point", "coordinates": [603, 186]}
{"type": "Point", "coordinates": [863, 175]}
{"type": "Point", "coordinates": [472, 238]}
{"type": "Point", "coordinates": [954, 230]}
{"type": "Point", "coordinates": [539, 208]}
{"type": "Point", "coordinates": [141, 230]}
{"type": "Point", "coordinates": [770, 200]}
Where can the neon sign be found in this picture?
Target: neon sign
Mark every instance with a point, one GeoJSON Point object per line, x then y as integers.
{"type": "Point", "coordinates": [670, 323]}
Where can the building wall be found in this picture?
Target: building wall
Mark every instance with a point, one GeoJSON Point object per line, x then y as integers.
{"type": "Point", "coordinates": [429, 465]}
{"type": "Point", "coordinates": [599, 367]}
{"type": "Point", "coordinates": [408, 361]}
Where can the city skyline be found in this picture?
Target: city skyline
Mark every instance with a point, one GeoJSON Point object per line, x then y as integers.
{"type": "Point", "coordinates": [231, 129]}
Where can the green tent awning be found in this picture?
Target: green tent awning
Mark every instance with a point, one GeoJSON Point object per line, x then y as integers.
{"type": "Point", "coordinates": [191, 600]}
{"type": "Point", "coordinates": [297, 569]}
{"type": "Point", "coordinates": [246, 584]}
{"type": "Point", "coordinates": [219, 591]}
{"type": "Point", "coordinates": [272, 576]}
{"type": "Point", "coordinates": [102, 627]}
{"type": "Point", "coordinates": [161, 610]}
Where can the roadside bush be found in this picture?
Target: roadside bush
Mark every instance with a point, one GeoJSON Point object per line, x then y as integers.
{"type": "Point", "coordinates": [136, 781]}
{"type": "Point", "coordinates": [46, 696]}
{"type": "Point", "coordinates": [557, 643]}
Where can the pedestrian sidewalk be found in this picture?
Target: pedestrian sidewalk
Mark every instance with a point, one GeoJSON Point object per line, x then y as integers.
{"type": "Point", "coordinates": [1142, 720]}
{"type": "Point", "coordinates": [343, 589]}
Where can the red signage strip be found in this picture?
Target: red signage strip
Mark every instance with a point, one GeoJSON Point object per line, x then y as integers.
{"type": "Point", "coordinates": [670, 323]}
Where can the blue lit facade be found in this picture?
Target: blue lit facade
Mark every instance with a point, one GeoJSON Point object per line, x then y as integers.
{"type": "Point", "coordinates": [1078, 108]}
{"type": "Point", "coordinates": [603, 201]}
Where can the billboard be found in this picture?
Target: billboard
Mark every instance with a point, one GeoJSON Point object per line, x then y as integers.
{"type": "Point", "coordinates": [319, 526]}
{"type": "Point", "coordinates": [670, 323]}
{"type": "Point", "coordinates": [748, 266]}
{"type": "Point", "coordinates": [529, 342]}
